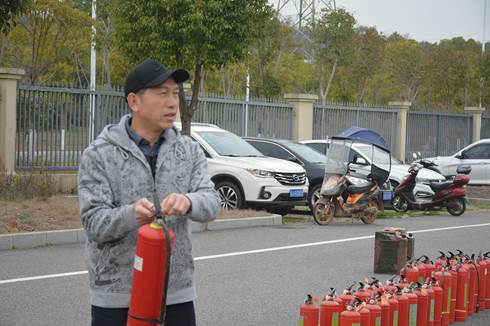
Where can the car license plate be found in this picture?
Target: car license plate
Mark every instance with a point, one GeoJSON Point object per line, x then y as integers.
{"type": "Point", "coordinates": [296, 193]}
{"type": "Point", "coordinates": [387, 195]}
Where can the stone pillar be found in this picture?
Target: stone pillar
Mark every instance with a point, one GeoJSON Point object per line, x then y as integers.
{"type": "Point", "coordinates": [8, 115]}
{"type": "Point", "coordinates": [401, 127]}
{"type": "Point", "coordinates": [476, 112]}
{"type": "Point", "coordinates": [302, 115]}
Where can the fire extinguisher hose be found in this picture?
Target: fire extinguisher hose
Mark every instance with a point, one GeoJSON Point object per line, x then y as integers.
{"type": "Point", "coordinates": [163, 310]}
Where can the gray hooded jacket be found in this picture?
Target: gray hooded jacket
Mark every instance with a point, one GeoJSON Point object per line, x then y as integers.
{"type": "Point", "coordinates": [113, 175]}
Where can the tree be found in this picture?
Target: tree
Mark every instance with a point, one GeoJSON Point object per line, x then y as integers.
{"type": "Point", "coordinates": [52, 43]}
{"type": "Point", "coordinates": [188, 33]}
{"type": "Point", "coordinates": [9, 10]}
{"type": "Point", "coordinates": [332, 35]}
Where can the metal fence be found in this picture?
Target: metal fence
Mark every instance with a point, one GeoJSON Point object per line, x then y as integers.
{"type": "Point", "coordinates": [437, 134]}
{"type": "Point", "coordinates": [54, 123]}
{"type": "Point", "coordinates": [329, 119]}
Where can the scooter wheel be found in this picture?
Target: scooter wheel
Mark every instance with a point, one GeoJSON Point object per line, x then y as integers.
{"type": "Point", "coordinates": [399, 204]}
{"type": "Point", "coordinates": [323, 213]}
{"type": "Point", "coordinates": [456, 206]}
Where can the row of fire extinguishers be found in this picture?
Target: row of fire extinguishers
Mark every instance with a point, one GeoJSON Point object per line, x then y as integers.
{"type": "Point", "coordinates": [426, 294]}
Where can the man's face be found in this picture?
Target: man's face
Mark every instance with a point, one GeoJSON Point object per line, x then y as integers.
{"type": "Point", "coordinates": [156, 107]}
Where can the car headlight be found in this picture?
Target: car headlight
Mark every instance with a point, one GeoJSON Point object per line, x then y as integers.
{"type": "Point", "coordinates": [261, 173]}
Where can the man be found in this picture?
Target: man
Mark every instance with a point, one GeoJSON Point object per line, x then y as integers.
{"type": "Point", "coordinates": [133, 171]}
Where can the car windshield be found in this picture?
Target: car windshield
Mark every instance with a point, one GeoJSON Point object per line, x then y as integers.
{"type": "Point", "coordinates": [229, 144]}
{"type": "Point", "coordinates": [366, 152]}
{"type": "Point", "coordinates": [308, 153]}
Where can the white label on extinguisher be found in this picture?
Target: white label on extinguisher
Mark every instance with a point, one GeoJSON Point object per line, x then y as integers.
{"type": "Point", "coordinates": [138, 263]}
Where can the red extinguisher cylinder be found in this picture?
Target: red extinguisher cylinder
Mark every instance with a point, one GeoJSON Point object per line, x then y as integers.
{"type": "Point", "coordinates": [309, 313]}
{"type": "Point", "coordinates": [330, 311]}
{"type": "Point", "coordinates": [454, 287]}
{"type": "Point", "coordinates": [472, 284]}
{"type": "Point", "coordinates": [437, 305]}
{"type": "Point", "coordinates": [375, 311]}
{"type": "Point", "coordinates": [150, 268]}
{"type": "Point", "coordinates": [487, 300]}
{"type": "Point", "coordinates": [412, 302]}
{"type": "Point", "coordinates": [445, 280]}
{"type": "Point", "coordinates": [432, 302]}
{"type": "Point", "coordinates": [462, 295]}
{"type": "Point", "coordinates": [385, 312]}
{"type": "Point", "coordinates": [350, 318]}
{"type": "Point", "coordinates": [483, 284]}
{"type": "Point", "coordinates": [394, 312]}
{"type": "Point", "coordinates": [422, 308]}
{"type": "Point", "coordinates": [403, 309]}
{"type": "Point", "coordinates": [365, 316]}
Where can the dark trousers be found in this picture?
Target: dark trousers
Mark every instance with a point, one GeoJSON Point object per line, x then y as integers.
{"type": "Point", "coordinates": [181, 314]}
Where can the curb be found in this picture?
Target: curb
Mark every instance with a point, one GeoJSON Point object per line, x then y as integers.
{"type": "Point", "coordinates": [60, 237]}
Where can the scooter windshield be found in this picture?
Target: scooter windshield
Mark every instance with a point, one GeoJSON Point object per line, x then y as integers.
{"type": "Point", "coordinates": [336, 167]}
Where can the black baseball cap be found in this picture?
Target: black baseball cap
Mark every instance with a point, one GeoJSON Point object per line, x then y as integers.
{"type": "Point", "coordinates": [151, 73]}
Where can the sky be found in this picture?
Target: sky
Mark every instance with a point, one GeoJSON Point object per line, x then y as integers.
{"type": "Point", "coordinates": [423, 20]}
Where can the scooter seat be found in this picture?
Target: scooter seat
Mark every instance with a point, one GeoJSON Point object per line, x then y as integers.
{"type": "Point", "coordinates": [436, 186]}
{"type": "Point", "coordinates": [356, 189]}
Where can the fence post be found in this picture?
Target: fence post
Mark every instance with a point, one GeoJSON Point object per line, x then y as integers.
{"type": "Point", "coordinates": [401, 127]}
{"type": "Point", "coordinates": [8, 116]}
{"type": "Point", "coordinates": [476, 112]}
{"type": "Point", "coordinates": [302, 114]}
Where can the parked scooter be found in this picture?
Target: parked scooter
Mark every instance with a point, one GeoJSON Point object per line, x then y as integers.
{"type": "Point", "coordinates": [450, 193]}
{"type": "Point", "coordinates": [347, 193]}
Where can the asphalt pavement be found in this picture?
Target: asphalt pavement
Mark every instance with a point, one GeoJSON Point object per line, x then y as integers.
{"type": "Point", "coordinates": [251, 276]}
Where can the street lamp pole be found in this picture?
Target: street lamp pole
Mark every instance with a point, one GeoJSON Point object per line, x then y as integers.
{"type": "Point", "coordinates": [93, 72]}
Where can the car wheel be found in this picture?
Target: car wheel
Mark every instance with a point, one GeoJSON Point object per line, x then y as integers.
{"type": "Point", "coordinates": [230, 195]}
{"type": "Point", "coordinates": [314, 195]}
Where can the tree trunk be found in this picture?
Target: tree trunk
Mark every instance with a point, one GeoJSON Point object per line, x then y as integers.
{"type": "Point", "coordinates": [332, 74]}
{"type": "Point", "coordinates": [187, 111]}
{"type": "Point", "coordinates": [3, 46]}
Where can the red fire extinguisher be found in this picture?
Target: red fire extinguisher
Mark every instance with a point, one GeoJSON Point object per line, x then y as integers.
{"type": "Point", "coordinates": [151, 271]}
{"type": "Point", "coordinates": [365, 314]}
{"type": "Point", "coordinates": [385, 305]}
{"type": "Point", "coordinates": [403, 307]}
{"type": "Point", "coordinates": [429, 267]}
{"type": "Point", "coordinates": [437, 302]}
{"type": "Point", "coordinates": [346, 297]}
{"type": "Point", "coordinates": [362, 293]}
{"type": "Point", "coordinates": [454, 288]}
{"type": "Point", "coordinates": [375, 311]}
{"type": "Point", "coordinates": [330, 310]}
{"type": "Point", "coordinates": [308, 313]}
{"type": "Point", "coordinates": [412, 303]}
{"type": "Point", "coordinates": [445, 280]}
{"type": "Point", "coordinates": [410, 272]}
{"type": "Point", "coordinates": [432, 302]}
{"type": "Point", "coordinates": [487, 300]}
{"type": "Point", "coordinates": [472, 285]}
{"type": "Point", "coordinates": [422, 306]}
{"type": "Point", "coordinates": [441, 261]}
{"type": "Point", "coordinates": [394, 310]}
{"type": "Point", "coordinates": [483, 281]}
{"type": "Point", "coordinates": [350, 316]}
{"type": "Point", "coordinates": [462, 294]}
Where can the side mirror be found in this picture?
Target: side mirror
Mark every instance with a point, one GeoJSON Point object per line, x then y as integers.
{"type": "Point", "coordinates": [359, 160]}
{"type": "Point", "coordinates": [460, 156]}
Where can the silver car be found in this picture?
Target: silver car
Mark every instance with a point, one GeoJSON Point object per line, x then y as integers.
{"type": "Point", "coordinates": [398, 169]}
{"type": "Point", "coordinates": [476, 155]}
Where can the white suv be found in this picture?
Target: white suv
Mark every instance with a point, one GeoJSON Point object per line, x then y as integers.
{"type": "Point", "coordinates": [244, 177]}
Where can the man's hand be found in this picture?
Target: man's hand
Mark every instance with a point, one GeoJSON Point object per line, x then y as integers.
{"type": "Point", "coordinates": [144, 211]}
{"type": "Point", "coordinates": [175, 204]}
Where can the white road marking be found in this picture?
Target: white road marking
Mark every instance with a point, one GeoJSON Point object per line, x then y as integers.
{"type": "Point", "coordinates": [250, 252]}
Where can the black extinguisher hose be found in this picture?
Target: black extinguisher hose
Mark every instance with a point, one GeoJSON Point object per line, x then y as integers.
{"type": "Point", "coordinates": [478, 278]}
